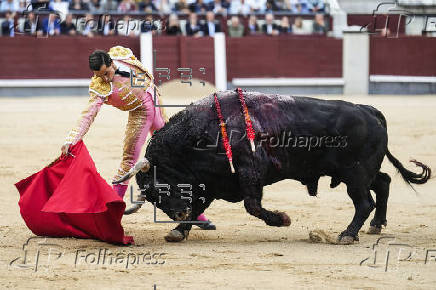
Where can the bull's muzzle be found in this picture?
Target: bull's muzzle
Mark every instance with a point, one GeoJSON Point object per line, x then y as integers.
{"type": "Point", "coordinates": [142, 165]}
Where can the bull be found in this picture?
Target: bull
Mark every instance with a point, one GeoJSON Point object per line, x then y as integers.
{"type": "Point", "coordinates": [334, 138]}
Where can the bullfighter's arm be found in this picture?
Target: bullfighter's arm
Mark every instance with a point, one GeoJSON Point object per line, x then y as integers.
{"type": "Point", "coordinates": [86, 118]}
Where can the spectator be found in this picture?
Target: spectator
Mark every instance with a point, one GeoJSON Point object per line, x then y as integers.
{"type": "Point", "coordinates": [235, 29]}
{"type": "Point", "coordinates": [32, 25]}
{"type": "Point", "coordinates": [190, 2]}
{"type": "Point", "coordinates": [95, 6]}
{"type": "Point", "coordinates": [285, 27]}
{"type": "Point", "coordinates": [109, 4]}
{"type": "Point", "coordinates": [173, 26]}
{"type": "Point", "coordinates": [89, 28]}
{"type": "Point", "coordinates": [271, 5]}
{"type": "Point", "coordinates": [253, 28]}
{"type": "Point", "coordinates": [220, 6]}
{"type": "Point", "coordinates": [298, 6]}
{"type": "Point", "coordinates": [282, 4]}
{"type": "Point", "coordinates": [297, 27]}
{"type": "Point", "coordinates": [192, 26]}
{"type": "Point", "coordinates": [270, 28]}
{"type": "Point", "coordinates": [59, 6]}
{"type": "Point", "coordinates": [106, 26]}
{"type": "Point", "coordinates": [209, 4]}
{"type": "Point", "coordinates": [40, 4]}
{"type": "Point", "coordinates": [126, 6]}
{"type": "Point", "coordinates": [315, 5]}
{"type": "Point", "coordinates": [226, 5]}
{"type": "Point", "coordinates": [8, 27]}
{"type": "Point", "coordinates": [147, 5]}
{"type": "Point", "coordinates": [319, 25]}
{"type": "Point", "coordinates": [78, 5]}
{"type": "Point", "coordinates": [51, 25]}
{"type": "Point", "coordinates": [210, 27]}
{"type": "Point", "coordinates": [10, 5]}
{"type": "Point", "coordinates": [125, 27]}
{"type": "Point", "coordinates": [257, 5]}
{"type": "Point", "coordinates": [198, 7]}
{"type": "Point", "coordinates": [67, 26]}
{"type": "Point", "coordinates": [239, 7]}
{"type": "Point", "coordinates": [22, 5]}
{"type": "Point", "coordinates": [163, 6]}
{"type": "Point", "coordinates": [148, 25]}
{"type": "Point", "coordinates": [182, 7]}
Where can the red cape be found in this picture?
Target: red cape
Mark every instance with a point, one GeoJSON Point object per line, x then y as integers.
{"type": "Point", "coordinates": [69, 198]}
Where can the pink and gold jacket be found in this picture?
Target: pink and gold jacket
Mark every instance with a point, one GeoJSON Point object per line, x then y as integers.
{"type": "Point", "coordinates": [118, 93]}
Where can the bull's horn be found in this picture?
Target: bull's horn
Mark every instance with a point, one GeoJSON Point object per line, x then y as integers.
{"type": "Point", "coordinates": [137, 205]}
{"type": "Point", "coordinates": [132, 209]}
{"type": "Point", "coordinates": [143, 165]}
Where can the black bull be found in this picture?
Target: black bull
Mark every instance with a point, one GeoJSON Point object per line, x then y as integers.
{"type": "Point", "coordinates": [296, 138]}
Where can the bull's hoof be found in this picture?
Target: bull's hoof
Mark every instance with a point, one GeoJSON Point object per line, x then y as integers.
{"type": "Point", "coordinates": [286, 220]}
{"type": "Point", "coordinates": [174, 236]}
{"type": "Point", "coordinates": [346, 240]}
{"type": "Point", "coordinates": [374, 230]}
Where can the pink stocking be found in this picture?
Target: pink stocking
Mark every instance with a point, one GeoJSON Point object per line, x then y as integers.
{"type": "Point", "coordinates": [120, 189]}
{"type": "Point", "coordinates": [202, 217]}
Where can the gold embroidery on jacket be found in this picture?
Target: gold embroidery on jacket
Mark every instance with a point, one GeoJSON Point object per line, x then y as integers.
{"type": "Point", "coordinates": [100, 87]}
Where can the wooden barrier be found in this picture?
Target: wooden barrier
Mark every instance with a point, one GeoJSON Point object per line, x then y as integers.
{"type": "Point", "coordinates": [404, 56]}
{"type": "Point", "coordinates": [284, 56]}
{"type": "Point", "coordinates": [257, 56]}
{"type": "Point", "coordinates": [61, 57]}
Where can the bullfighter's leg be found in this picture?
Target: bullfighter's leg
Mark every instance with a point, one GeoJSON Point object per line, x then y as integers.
{"type": "Point", "coordinates": [158, 121]}
{"type": "Point", "coordinates": [363, 205]}
{"type": "Point", "coordinates": [380, 186]}
{"type": "Point", "coordinates": [138, 126]}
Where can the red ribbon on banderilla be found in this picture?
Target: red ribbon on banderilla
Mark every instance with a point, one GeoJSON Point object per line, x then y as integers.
{"type": "Point", "coordinates": [226, 143]}
{"type": "Point", "coordinates": [248, 125]}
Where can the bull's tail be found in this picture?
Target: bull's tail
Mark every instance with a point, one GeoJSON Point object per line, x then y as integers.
{"type": "Point", "coordinates": [409, 176]}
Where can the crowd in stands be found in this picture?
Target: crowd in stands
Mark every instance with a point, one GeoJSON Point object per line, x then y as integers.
{"type": "Point", "coordinates": [241, 16]}
{"type": "Point", "coordinates": [172, 6]}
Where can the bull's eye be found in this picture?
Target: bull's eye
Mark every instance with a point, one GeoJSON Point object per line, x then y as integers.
{"type": "Point", "coordinates": [144, 189]}
{"type": "Point", "coordinates": [201, 144]}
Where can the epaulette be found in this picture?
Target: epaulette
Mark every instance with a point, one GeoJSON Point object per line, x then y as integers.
{"type": "Point", "coordinates": [120, 53]}
{"type": "Point", "coordinates": [126, 55]}
{"type": "Point", "coordinates": [100, 87]}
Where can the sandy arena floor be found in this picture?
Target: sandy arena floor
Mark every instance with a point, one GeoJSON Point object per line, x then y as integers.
{"type": "Point", "coordinates": [243, 253]}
